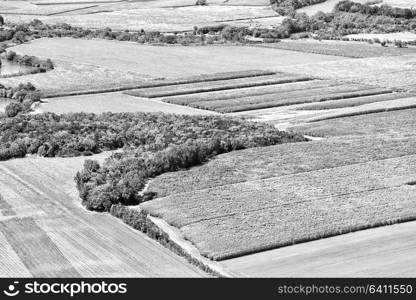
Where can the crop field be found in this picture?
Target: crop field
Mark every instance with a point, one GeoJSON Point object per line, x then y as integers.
{"type": "Point", "coordinates": [255, 164]}
{"type": "Point", "coordinates": [391, 72]}
{"type": "Point", "coordinates": [31, 9]}
{"type": "Point", "coordinates": [388, 37]}
{"type": "Point", "coordinates": [166, 61]}
{"type": "Point", "coordinates": [356, 254]}
{"type": "Point", "coordinates": [268, 91]}
{"type": "Point", "coordinates": [371, 108]}
{"type": "Point", "coordinates": [340, 48]}
{"type": "Point", "coordinates": [400, 122]}
{"type": "Point", "coordinates": [399, 3]}
{"type": "Point", "coordinates": [217, 85]}
{"type": "Point", "coordinates": [132, 17]}
{"type": "Point", "coordinates": [51, 234]}
{"type": "Point", "coordinates": [241, 218]}
{"type": "Point", "coordinates": [111, 102]}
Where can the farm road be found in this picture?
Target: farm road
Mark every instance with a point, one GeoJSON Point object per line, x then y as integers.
{"type": "Point", "coordinates": [44, 231]}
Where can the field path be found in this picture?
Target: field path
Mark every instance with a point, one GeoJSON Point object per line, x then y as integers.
{"type": "Point", "coordinates": [388, 251]}
{"type": "Point", "coordinates": [44, 231]}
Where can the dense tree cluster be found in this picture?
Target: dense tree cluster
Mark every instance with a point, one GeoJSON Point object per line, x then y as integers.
{"type": "Point", "coordinates": [23, 96]}
{"type": "Point", "coordinates": [42, 65]}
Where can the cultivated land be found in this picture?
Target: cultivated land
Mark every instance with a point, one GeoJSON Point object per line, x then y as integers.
{"type": "Point", "coordinates": [46, 232]}
{"type": "Point", "coordinates": [111, 102]}
{"type": "Point", "coordinates": [360, 175]}
{"type": "Point", "coordinates": [326, 7]}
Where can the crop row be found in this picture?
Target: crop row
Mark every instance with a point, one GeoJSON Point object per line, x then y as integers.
{"type": "Point", "coordinates": [218, 85]}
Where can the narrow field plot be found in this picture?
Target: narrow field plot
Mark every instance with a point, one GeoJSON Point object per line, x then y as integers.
{"type": "Point", "coordinates": [166, 61]}
{"type": "Point", "coordinates": [265, 162]}
{"type": "Point", "coordinates": [251, 91]}
{"type": "Point", "coordinates": [353, 101]}
{"type": "Point", "coordinates": [391, 72]}
{"type": "Point", "coordinates": [371, 108]}
{"type": "Point", "coordinates": [68, 77]}
{"type": "Point", "coordinates": [289, 98]}
{"type": "Point", "coordinates": [400, 122]}
{"type": "Point", "coordinates": [162, 19]}
{"type": "Point", "coordinates": [325, 7]}
{"type": "Point", "coordinates": [112, 102]}
{"type": "Point", "coordinates": [95, 245]}
{"type": "Point", "coordinates": [219, 85]}
{"type": "Point", "coordinates": [340, 48]}
{"type": "Point", "coordinates": [242, 218]}
{"type": "Point", "coordinates": [388, 37]}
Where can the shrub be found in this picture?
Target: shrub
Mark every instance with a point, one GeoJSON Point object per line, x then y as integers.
{"type": "Point", "coordinates": [13, 109]}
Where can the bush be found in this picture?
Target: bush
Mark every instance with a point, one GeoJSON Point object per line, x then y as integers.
{"type": "Point", "coordinates": [13, 109]}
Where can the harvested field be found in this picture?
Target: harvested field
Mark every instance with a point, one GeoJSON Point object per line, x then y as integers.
{"type": "Point", "coordinates": [112, 102]}
{"type": "Point", "coordinates": [94, 245]}
{"type": "Point", "coordinates": [353, 101]}
{"type": "Point", "coordinates": [166, 61]}
{"type": "Point", "coordinates": [399, 3]}
{"type": "Point", "coordinates": [131, 17]}
{"type": "Point", "coordinates": [401, 122]}
{"type": "Point", "coordinates": [386, 251]}
{"type": "Point", "coordinates": [280, 160]}
{"type": "Point", "coordinates": [251, 91]}
{"type": "Point", "coordinates": [388, 37]}
{"type": "Point", "coordinates": [257, 215]}
{"type": "Point", "coordinates": [219, 85]}
{"type": "Point", "coordinates": [340, 48]}
{"type": "Point", "coordinates": [31, 9]}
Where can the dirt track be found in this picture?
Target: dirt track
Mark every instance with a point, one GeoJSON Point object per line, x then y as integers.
{"type": "Point", "coordinates": [388, 251]}
{"type": "Point", "coordinates": [45, 232]}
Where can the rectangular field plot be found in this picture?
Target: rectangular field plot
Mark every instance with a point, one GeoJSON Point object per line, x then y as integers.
{"type": "Point", "coordinates": [217, 85]}
{"type": "Point", "coordinates": [394, 123]}
{"type": "Point", "coordinates": [242, 218]}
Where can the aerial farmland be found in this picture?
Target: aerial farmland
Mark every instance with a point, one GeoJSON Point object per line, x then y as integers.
{"type": "Point", "coordinates": [184, 138]}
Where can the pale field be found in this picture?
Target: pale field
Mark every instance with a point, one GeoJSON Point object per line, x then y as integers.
{"type": "Point", "coordinates": [387, 251]}
{"type": "Point", "coordinates": [388, 37]}
{"type": "Point", "coordinates": [112, 102]}
{"type": "Point", "coordinates": [257, 215]}
{"type": "Point", "coordinates": [325, 7]}
{"type": "Point", "coordinates": [51, 234]}
{"type": "Point", "coordinates": [389, 72]}
{"type": "Point", "coordinates": [166, 61]}
{"type": "Point", "coordinates": [161, 19]}
{"type": "Point", "coordinates": [287, 116]}
{"type": "Point", "coordinates": [400, 3]}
